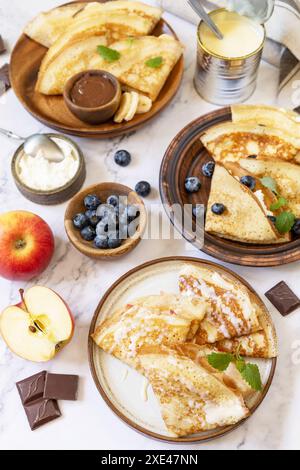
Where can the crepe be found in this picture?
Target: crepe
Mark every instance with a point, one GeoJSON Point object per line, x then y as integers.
{"type": "Point", "coordinates": [231, 377]}
{"type": "Point", "coordinates": [131, 69]}
{"type": "Point", "coordinates": [47, 27]}
{"type": "Point", "coordinates": [286, 176]}
{"type": "Point", "coordinates": [149, 321]}
{"type": "Point", "coordinates": [231, 312]}
{"type": "Point", "coordinates": [246, 216]}
{"type": "Point", "coordinates": [229, 142]}
{"type": "Point", "coordinates": [191, 399]}
{"type": "Point", "coordinates": [269, 116]}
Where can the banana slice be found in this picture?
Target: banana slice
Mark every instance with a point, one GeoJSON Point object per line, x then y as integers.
{"type": "Point", "coordinates": [145, 104]}
{"type": "Point", "coordinates": [124, 108]}
{"type": "Point", "coordinates": [133, 106]}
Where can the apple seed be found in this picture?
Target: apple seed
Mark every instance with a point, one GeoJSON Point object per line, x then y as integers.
{"type": "Point", "coordinates": [32, 329]}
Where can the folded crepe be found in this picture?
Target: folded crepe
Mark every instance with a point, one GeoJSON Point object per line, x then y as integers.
{"type": "Point", "coordinates": [268, 116]}
{"type": "Point", "coordinates": [149, 322]}
{"type": "Point", "coordinates": [131, 69]}
{"type": "Point", "coordinates": [246, 216]}
{"type": "Point", "coordinates": [231, 312]}
{"type": "Point", "coordinates": [47, 27]}
{"type": "Point", "coordinates": [191, 399]}
{"type": "Point", "coordinates": [286, 175]}
{"type": "Point", "coordinates": [229, 142]}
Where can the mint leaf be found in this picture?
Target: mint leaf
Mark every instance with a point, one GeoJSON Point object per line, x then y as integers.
{"type": "Point", "coordinates": [240, 364]}
{"type": "Point", "coordinates": [155, 63]}
{"type": "Point", "coordinates": [285, 222]}
{"type": "Point", "coordinates": [269, 183]}
{"type": "Point", "coordinates": [220, 361]}
{"type": "Point", "coordinates": [280, 203]}
{"type": "Point", "coordinates": [251, 375]}
{"type": "Point", "coordinates": [110, 55]}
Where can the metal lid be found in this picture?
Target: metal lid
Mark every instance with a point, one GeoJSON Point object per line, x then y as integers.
{"type": "Point", "coordinates": [259, 10]}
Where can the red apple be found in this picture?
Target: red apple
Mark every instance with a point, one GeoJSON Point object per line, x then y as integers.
{"type": "Point", "coordinates": [39, 327]}
{"type": "Point", "coordinates": [26, 245]}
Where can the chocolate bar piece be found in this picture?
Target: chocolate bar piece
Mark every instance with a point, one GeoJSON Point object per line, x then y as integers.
{"type": "Point", "coordinates": [32, 388]}
{"type": "Point", "coordinates": [283, 298]}
{"type": "Point", "coordinates": [61, 387]}
{"type": "Point", "coordinates": [41, 412]}
{"type": "Point", "coordinates": [4, 79]}
{"type": "Point", "coordinates": [2, 45]}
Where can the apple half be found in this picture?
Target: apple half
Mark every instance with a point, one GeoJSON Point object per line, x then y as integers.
{"type": "Point", "coordinates": [39, 327]}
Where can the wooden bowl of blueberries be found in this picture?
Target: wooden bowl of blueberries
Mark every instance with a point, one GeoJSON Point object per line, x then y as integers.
{"type": "Point", "coordinates": [105, 221]}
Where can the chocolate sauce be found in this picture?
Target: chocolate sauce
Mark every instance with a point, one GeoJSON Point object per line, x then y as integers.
{"type": "Point", "coordinates": [92, 90]}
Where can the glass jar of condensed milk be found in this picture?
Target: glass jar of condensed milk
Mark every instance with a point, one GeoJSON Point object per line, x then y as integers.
{"type": "Point", "coordinates": [227, 69]}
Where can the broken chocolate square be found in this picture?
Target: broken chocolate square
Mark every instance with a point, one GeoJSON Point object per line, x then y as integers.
{"type": "Point", "coordinates": [4, 79]}
{"type": "Point", "coordinates": [283, 298]}
{"type": "Point", "coordinates": [61, 387]}
{"type": "Point", "coordinates": [32, 388]}
{"type": "Point", "coordinates": [41, 412]}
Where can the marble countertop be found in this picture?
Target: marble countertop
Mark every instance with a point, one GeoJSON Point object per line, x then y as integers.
{"type": "Point", "coordinates": [88, 423]}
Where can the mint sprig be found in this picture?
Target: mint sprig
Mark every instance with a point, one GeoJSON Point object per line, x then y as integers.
{"type": "Point", "coordinates": [249, 372]}
{"type": "Point", "coordinates": [281, 202]}
{"type": "Point", "coordinates": [285, 222]}
{"type": "Point", "coordinates": [269, 183]}
{"type": "Point", "coordinates": [108, 54]}
{"type": "Point", "coordinates": [155, 63]}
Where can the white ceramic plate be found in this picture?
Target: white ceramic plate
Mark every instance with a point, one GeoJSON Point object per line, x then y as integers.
{"type": "Point", "coordinates": [125, 391]}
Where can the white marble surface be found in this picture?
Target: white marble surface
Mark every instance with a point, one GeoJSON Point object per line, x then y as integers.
{"type": "Point", "coordinates": [89, 424]}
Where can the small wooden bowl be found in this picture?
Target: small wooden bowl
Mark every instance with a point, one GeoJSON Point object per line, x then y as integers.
{"type": "Point", "coordinates": [54, 196]}
{"type": "Point", "coordinates": [103, 191]}
{"type": "Point", "coordinates": [100, 114]}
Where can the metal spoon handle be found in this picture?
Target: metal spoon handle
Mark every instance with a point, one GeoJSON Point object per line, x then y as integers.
{"type": "Point", "coordinates": [198, 8]}
{"type": "Point", "coordinates": [11, 135]}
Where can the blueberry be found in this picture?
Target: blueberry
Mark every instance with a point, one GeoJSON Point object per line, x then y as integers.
{"type": "Point", "coordinates": [101, 242]}
{"type": "Point", "coordinates": [105, 210]}
{"type": "Point", "coordinates": [113, 201]}
{"type": "Point", "coordinates": [192, 185]}
{"type": "Point", "coordinates": [80, 221]}
{"type": "Point", "coordinates": [122, 158]}
{"type": "Point", "coordinates": [218, 208]}
{"type": "Point", "coordinates": [143, 189]}
{"type": "Point", "coordinates": [272, 218]}
{"type": "Point", "coordinates": [114, 242]}
{"type": "Point", "coordinates": [248, 181]}
{"type": "Point", "coordinates": [208, 169]}
{"type": "Point", "coordinates": [91, 202]}
{"type": "Point", "coordinates": [132, 213]}
{"type": "Point", "coordinates": [296, 228]}
{"type": "Point", "coordinates": [93, 218]}
{"type": "Point", "coordinates": [88, 233]}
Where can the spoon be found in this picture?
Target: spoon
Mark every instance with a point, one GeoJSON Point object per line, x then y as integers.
{"type": "Point", "coordinates": [37, 142]}
{"type": "Point", "coordinates": [198, 8]}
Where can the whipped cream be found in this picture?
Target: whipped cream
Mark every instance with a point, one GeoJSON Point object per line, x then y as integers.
{"type": "Point", "coordinates": [41, 174]}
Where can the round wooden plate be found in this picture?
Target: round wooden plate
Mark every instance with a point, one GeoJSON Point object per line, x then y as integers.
{"type": "Point", "coordinates": [52, 111]}
{"type": "Point", "coordinates": [185, 157]}
{"type": "Point", "coordinates": [123, 396]}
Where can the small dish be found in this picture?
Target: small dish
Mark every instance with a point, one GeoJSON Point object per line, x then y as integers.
{"type": "Point", "coordinates": [98, 114]}
{"type": "Point", "coordinates": [103, 191]}
{"type": "Point", "coordinates": [57, 195]}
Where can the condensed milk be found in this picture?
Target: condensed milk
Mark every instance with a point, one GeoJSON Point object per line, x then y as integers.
{"type": "Point", "coordinates": [227, 69]}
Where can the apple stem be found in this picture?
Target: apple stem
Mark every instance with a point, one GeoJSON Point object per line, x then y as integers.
{"type": "Point", "coordinates": [23, 299]}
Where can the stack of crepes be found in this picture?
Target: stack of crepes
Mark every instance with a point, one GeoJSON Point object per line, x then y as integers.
{"type": "Point", "coordinates": [261, 142]}
{"type": "Point", "coordinates": [73, 34]}
{"type": "Point", "coordinates": [168, 337]}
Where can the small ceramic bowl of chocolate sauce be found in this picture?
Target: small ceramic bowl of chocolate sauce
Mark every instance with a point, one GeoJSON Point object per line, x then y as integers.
{"type": "Point", "coordinates": [93, 96]}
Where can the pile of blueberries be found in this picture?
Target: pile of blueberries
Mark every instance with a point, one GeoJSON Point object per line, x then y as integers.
{"type": "Point", "coordinates": [107, 224]}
